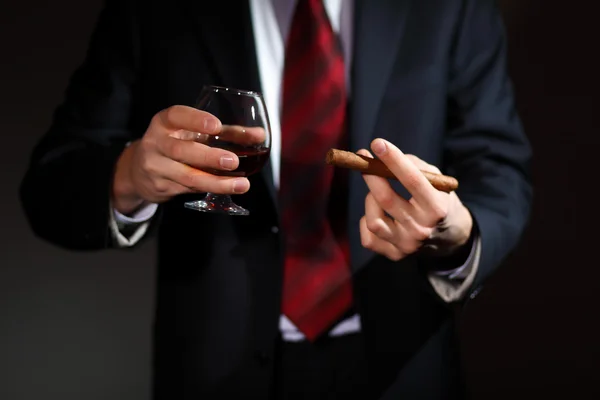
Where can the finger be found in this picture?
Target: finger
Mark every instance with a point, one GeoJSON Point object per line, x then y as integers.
{"type": "Point", "coordinates": [189, 119]}
{"type": "Point", "coordinates": [387, 198]}
{"type": "Point", "coordinates": [407, 235]}
{"type": "Point", "coordinates": [410, 217]}
{"type": "Point", "coordinates": [200, 181]}
{"type": "Point", "coordinates": [243, 135]}
{"type": "Point", "coordinates": [407, 243]}
{"type": "Point", "coordinates": [183, 134]}
{"type": "Point", "coordinates": [164, 189]}
{"type": "Point", "coordinates": [413, 230]}
{"type": "Point", "coordinates": [377, 222]}
{"type": "Point", "coordinates": [197, 155]}
{"type": "Point", "coordinates": [364, 152]}
{"type": "Point", "coordinates": [422, 165]}
{"type": "Point", "coordinates": [372, 242]}
{"type": "Point", "coordinates": [409, 175]}
{"type": "Point", "coordinates": [422, 213]}
{"type": "Point", "coordinates": [157, 185]}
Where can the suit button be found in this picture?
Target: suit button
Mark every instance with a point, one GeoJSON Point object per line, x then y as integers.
{"type": "Point", "coordinates": [475, 293]}
{"type": "Point", "coordinates": [274, 229]}
{"type": "Point", "coordinates": [262, 358]}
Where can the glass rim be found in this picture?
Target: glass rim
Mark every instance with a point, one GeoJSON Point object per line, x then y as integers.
{"type": "Point", "coordinates": [216, 88]}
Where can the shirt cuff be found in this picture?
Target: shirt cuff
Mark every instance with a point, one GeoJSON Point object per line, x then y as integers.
{"type": "Point", "coordinates": [127, 231]}
{"type": "Point", "coordinates": [451, 290]}
{"type": "Point", "coordinates": [142, 215]}
{"type": "Point", "coordinates": [463, 271]}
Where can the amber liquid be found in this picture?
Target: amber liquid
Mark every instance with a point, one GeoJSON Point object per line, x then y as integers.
{"type": "Point", "coordinates": [251, 160]}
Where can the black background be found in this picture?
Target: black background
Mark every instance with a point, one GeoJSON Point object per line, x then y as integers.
{"type": "Point", "coordinates": [77, 326]}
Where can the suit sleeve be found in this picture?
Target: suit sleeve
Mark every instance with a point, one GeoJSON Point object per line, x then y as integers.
{"type": "Point", "coordinates": [66, 189]}
{"type": "Point", "coordinates": [486, 147]}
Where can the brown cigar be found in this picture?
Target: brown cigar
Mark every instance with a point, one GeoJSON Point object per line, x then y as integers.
{"type": "Point", "coordinates": [373, 166]}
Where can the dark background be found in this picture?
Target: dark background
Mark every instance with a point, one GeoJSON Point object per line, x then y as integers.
{"type": "Point", "coordinates": [77, 326]}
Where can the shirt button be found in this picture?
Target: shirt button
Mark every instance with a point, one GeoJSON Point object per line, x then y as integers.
{"type": "Point", "coordinates": [274, 229]}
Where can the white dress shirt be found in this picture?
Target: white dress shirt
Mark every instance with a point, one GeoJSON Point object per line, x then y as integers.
{"type": "Point", "coordinates": [271, 21]}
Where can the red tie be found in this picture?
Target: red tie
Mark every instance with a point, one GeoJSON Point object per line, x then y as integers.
{"type": "Point", "coordinates": [317, 287]}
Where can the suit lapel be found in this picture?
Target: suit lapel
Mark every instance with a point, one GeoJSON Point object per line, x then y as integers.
{"type": "Point", "coordinates": [226, 30]}
{"type": "Point", "coordinates": [228, 37]}
{"type": "Point", "coordinates": [378, 28]}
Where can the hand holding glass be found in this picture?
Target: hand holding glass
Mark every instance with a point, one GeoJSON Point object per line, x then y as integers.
{"type": "Point", "coordinates": [245, 132]}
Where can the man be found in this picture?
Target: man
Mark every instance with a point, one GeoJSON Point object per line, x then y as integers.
{"type": "Point", "coordinates": [419, 84]}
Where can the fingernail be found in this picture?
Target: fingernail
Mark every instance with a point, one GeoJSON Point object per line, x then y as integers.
{"type": "Point", "coordinates": [240, 185]}
{"type": "Point", "coordinates": [226, 162]}
{"type": "Point", "coordinates": [379, 147]}
{"type": "Point", "coordinates": [210, 125]}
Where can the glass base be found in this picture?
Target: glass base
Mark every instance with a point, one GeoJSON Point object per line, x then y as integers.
{"type": "Point", "coordinates": [217, 204]}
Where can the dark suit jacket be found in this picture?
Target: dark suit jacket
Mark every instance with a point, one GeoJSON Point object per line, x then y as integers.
{"type": "Point", "coordinates": [428, 75]}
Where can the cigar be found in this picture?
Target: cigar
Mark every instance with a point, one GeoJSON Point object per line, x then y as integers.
{"type": "Point", "coordinates": [373, 166]}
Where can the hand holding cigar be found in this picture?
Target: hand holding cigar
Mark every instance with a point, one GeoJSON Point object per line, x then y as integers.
{"type": "Point", "coordinates": [373, 166]}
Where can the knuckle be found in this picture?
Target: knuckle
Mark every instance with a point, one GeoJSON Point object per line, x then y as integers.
{"type": "Point", "coordinates": [413, 181]}
{"type": "Point", "coordinates": [157, 119]}
{"type": "Point", "coordinates": [147, 166]}
{"type": "Point", "coordinates": [414, 159]}
{"type": "Point", "coordinates": [170, 114]}
{"type": "Point", "coordinates": [422, 234]}
{"type": "Point", "coordinates": [365, 236]}
{"type": "Point", "coordinates": [439, 213]}
{"type": "Point", "coordinates": [147, 144]}
{"type": "Point", "coordinates": [423, 164]}
{"type": "Point", "coordinates": [373, 226]}
{"type": "Point", "coordinates": [160, 187]}
{"type": "Point", "coordinates": [395, 255]}
{"type": "Point", "coordinates": [402, 246]}
{"type": "Point", "coordinates": [205, 157]}
{"type": "Point", "coordinates": [366, 241]}
{"type": "Point", "coordinates": [387, 200]}
{"type": "Point", "coordinates": [226, 186]}
{"type": "Point", "coordinates": [209, 183]}
{"type": "Point", "coordinates": [407, 247]}
{"type": "Point", "coordinates": [369, 198]}
{"type": "Point", "coordinates": [189, 180]}
{"type": "Point", "coordinates": [175, 149]}
{"type": "Point", "coordinates": [183, 190]}
{"type": "Point", "coordinates": [404, 218]}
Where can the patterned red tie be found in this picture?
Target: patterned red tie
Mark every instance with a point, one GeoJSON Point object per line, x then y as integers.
{"type": "Point", "coordinates": [317, 287]}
